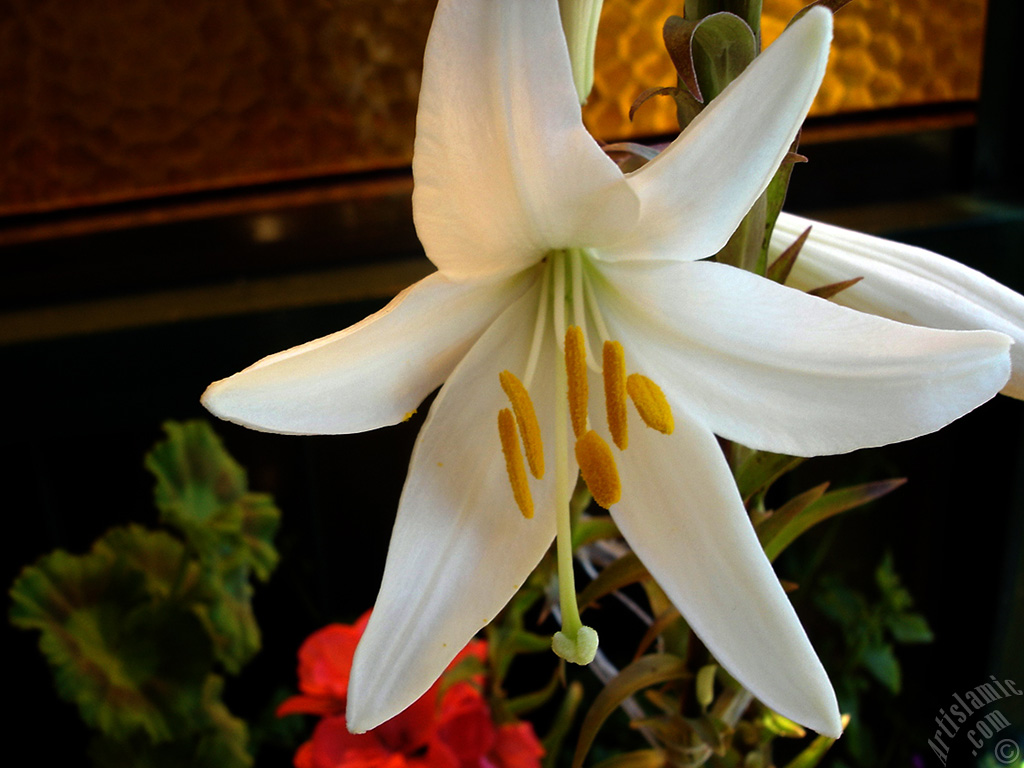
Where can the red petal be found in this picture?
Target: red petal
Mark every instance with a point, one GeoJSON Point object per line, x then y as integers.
{"type": "Point", "coordinates": [517, 747]}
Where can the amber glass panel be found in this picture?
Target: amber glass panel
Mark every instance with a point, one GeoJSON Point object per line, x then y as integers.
{"type": "Point", "coordinates": [886, 53]}
{"type": "Point", "coordinates": [112, 100]}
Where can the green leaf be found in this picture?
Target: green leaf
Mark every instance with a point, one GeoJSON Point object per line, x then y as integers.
{"type": "Point", "coordinates": [880, 660]}
{"type": "Point", "coordinates": [131, 661]}
{"type": "Point", "coordinates": [709, 53]}
{"type": "Point", "coordinates": [219, 741]}
{"type": "Point", "coordinates": [790, 522]}
{"type": "Point", "coordinates": [783, 265]}
{"type": "Point", "coordinates": [591, 529]}
{"type": "Point", "coordinates": [748, 10]}
{"type": "Point", "coordinates": [760, 469]}
{"type": "Point", "coordinates": [196, 478]}
{"type": "Point", "coordinates": [772, 526]}
{"type": "Point", "coordinates": [203, 492]}
{"type": "Point", "coordinates": [528, 702]}
{"type": "Point", "coordinates": [815, 751]}
{"type": "Point", "coordinates": [642, 758]}
{"type": "Point", "coordinates": [625, 571]}
{"type": "Point", "coordinates": [909, 628]}
{"type": "Point", "coordinates": [774, 197]}
{"type": "Point", "coordinates": [642, 673]}
{"type": "Point", "coordinates": [833, 289]}
{"type": "Point", "coordinates": [561, 724]}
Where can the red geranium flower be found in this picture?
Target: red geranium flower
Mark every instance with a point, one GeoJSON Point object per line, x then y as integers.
{"type": "Point", "coordinates": [449, 730]}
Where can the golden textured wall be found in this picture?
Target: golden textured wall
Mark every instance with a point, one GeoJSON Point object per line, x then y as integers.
{"type": "Point", "coordinates": [112, 100]}
{"type": "Point", "coordinates": [886, 53]}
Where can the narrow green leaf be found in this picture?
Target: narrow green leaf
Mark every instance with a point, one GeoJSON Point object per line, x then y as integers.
{"type": "Point", "coordinates": [769, 527]}
{"type": "Point", "coordinates": [561, 724]}
{"type": "Point", "coordinates": [830, 290]}
{"type": "Point", "coordinates": [782, 528]}
{"type": "Point", "coordinates": [642, 758]}
{"type": "Point", "coordinates": [528, 702]}
{"type": "Point", "coordinates": [626, 570]}
{"type": "Point", "coordinates": [760, 469]}
{"type": "Point", "coordinates": [642, 673]}
{"type": "Point", "coordinates": [783, 265]}
{"type": "Point", "coordinates": [662, 623]}
{"type": "Point", "coordinates": [815, 751]}
{"type": "Point", "coordinates": [648, 94]}
{"type": "Point", "coordinates": [591, 529]}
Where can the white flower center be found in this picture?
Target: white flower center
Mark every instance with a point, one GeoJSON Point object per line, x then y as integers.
{"type": "Point", "coordinates": [568, 292]}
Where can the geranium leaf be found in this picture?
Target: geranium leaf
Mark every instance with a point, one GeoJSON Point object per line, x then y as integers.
{"type": "Point", "coordinates": [203, 492]}
{"type": "Point", "coordinates": [196, 478]}
{"type": "Point", "coordinates": [132, 663]}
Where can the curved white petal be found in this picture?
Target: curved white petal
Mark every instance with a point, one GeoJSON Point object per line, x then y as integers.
{"type": "Point", "coordinates": [905, 283]}
{"type": "Point", "coordinates": [460, 548]}
{"type": "Point", "coordinates": [373, 373]}
{"type": "Point", "coordinates": [504, 168]}
{"type": "Point", "coordinates": [681, 513]}
{"type": "Point", "coordinates": [695, 193]}
{"type": "Point", "coordinates": [778, 370]}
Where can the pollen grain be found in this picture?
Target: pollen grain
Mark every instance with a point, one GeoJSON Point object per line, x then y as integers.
{"type": "Point", "coordinates": [526, 418]}
{"type": "Point", "coordinates": [597, 465]}
{"type": "Point", "coordinates": [576, 372]}
{"type": "Point", "coordinates": [514, 462]}
{"type": "Point", "coordinates": [613, 369]}
{"type": "Point", "coordinates": [650, 402]}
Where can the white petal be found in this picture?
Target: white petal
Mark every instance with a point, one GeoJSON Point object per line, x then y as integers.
{"type": "Point", "coordinates": [504, 168]}
{"type": "Point", "coordinates": [680, 511]}
{"type": "Point", "coordinates": [371, 374]}
{"type": "Point", "coordinates": [776, 369]}
{"type": "Point", "coordinates": [460, 547]}
{"type": "Point", "coordinates": [696, 192]}
{"type": "Point", "coordinates": [905, 283]}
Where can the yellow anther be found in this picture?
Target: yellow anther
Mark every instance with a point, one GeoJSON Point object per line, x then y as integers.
{"type": "Point", "coordinates": [514, 462]}
{"type": "Point", "coordinates": [650, 402]}
{"type": "Point", "coordinates": [526, 418]}
{"type": "Point", "coordinates": [576, 371]}
{"type": "Point", "coordinates": [597, 465]}
{"type": "Point", "coordinates": [614, 370]}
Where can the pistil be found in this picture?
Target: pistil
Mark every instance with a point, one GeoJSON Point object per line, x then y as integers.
{"type": "Point", "coordinates": [575, 642]}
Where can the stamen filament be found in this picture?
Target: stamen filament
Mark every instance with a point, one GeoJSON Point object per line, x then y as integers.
{"type": "Point", "coordinates": [558, 304]}
{"type": "Point", "coordinates": [576, 371]}
{"type": "Point", "coordinates": [526, 418]}
{"type": "Point", "coordinates": [579, 305]}
{"type": "Point", "coordinates": [651, 403]}
{"type": "Point", "coordinates": [538, 326]}
{"type": "Point", "coordinates": [614, 371]}
{"type": "Point", "coordinates": [514, 462]}
{"type": "Point", "coordinates": [597, 465]}
{"type": "Point", "coordinates": [595, 309]}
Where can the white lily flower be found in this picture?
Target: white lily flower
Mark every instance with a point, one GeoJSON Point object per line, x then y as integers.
{"type": "Point", "coordinates": [533, 229]}
{"type": "Point", "coordinates": [904, 283]}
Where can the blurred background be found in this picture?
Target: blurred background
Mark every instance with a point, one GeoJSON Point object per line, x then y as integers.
{"type": "Point", "coordinates": [186, 187]}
